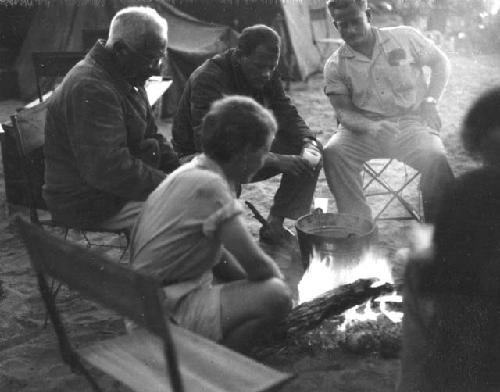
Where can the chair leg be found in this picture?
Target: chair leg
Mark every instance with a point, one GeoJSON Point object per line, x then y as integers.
{"type": "Point", "coordinates": [54, 290]}
{"type": "Point", "coordinates": [397, 194]}
{"type": "Point", "coordinates": [375, 176]}
{"type": "Point", "coordinates": [127, 244]}
{"type": "Point", "coordinates": [78, 367]}
{"type": "Point", "coordinates": [69, 356]}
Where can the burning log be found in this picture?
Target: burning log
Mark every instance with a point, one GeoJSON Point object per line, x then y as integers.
{"type": "Point", "coordinates": [309, 315]}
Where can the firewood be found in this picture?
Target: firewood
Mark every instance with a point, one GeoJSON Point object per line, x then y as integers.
{"type": "Point", "coordinates": [309, 315]}
{"type": "Point", "coordinates": [381, 335]}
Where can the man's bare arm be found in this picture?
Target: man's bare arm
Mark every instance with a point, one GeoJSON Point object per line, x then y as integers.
{"type": "Point", "coordinates": [440, 70]}
{"type": "Point", "coordinates": [238, 241]}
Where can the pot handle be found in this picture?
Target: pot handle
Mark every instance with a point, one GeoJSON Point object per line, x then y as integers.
{"type": "Point", "coordinates": [317, 211]}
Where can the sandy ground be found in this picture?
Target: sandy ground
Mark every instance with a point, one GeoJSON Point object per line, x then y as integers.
{"type": "Point", "coordinates": [29, 358]}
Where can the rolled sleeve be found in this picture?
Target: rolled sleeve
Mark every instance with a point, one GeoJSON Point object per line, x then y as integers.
{"type": "Point", "coordinates": [98, 138]}
{"type": "Point", "coordinates": [423, 49]}
{"type": "Point", "coordinates": [226, 212]}
{"type": "Point", "coordinates": [334, 82]}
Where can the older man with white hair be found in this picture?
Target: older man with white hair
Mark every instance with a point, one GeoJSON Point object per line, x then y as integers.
{"type": "Point", "coordinates": [103, 152]}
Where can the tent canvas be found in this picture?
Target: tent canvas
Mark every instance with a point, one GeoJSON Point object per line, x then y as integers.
{"type": "Point", "coordinates": [289, 18]}
{"type": "Point", "coordinates": [58, 26]}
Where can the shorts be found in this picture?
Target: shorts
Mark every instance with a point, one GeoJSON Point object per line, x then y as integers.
{"type": "Point", "coordinates": [196, 305]}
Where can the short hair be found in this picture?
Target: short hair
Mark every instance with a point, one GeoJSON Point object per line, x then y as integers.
{"type": "Point", "coordinates": [342, 4]}
{"type": "Point", "coordinates": [482, 118]}
{"type": "Point", "coordinates": [256, 35]}
{"type": "Point", "coordinates": [233, 124]}
{"type": "Point", "coordinates": [136, 25]}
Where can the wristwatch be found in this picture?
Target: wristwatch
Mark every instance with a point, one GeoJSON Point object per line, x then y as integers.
{"type": "Point", "coordinates": [430, 100]}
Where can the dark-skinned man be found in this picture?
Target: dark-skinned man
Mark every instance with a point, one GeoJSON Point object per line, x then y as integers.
{"type": "Point", "coordinates": [249, 70]}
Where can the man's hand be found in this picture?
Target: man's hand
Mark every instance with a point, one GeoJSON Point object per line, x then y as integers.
{"type": "Point", "coordinates": [385, 130]}
{"type": "Point", "coordinates": [293, 164]}
{"type": "Point", "coordinates": [430, 115]}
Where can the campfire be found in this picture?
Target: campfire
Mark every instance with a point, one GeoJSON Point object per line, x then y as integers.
{"type": "Point", "coordinates": [326, 272]}
{"type": "Point", "coordinates": [347, 296]}
{"type": "Point", "coordinates": [372, 326]}
{"type": "Point", "coordinates": [346, 300]}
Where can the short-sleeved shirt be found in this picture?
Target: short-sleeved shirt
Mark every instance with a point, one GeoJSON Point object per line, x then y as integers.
{"type": "Point", "coordinates": [176, 237]}
{"type": "Point", "coordinates": [392, 82]}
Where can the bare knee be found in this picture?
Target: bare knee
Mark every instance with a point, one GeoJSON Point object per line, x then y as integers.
{"type": "Point", "coordinates": [432, 160]}
{"type": "Point", "coordinates": [330, 150]}
{"type": "Point", "coordinates": [277, 300]}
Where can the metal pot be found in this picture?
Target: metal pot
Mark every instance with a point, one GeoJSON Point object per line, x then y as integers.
{"type": "Point", "coordinates": [345, 237]}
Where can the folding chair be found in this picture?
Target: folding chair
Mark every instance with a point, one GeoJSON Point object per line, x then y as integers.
{"type": "Point", "coordinates": [376, 173]}
{"type": "Point", "coordinates": [321, 31]}
{"type": "Point", "coordinates": [53, 65]}
{"type": "Point", "coordinates": [28, 132]}
{"type": "Point", "coordinates": [158, 356]}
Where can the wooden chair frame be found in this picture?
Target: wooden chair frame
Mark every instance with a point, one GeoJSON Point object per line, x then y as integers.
{"type": "Point", "coordinates": [29, 144]}
{"type": "Point", "coordinates": [71, 265]}
{"type": "Point", "coordinates": [53, 65]}
{"type": "Point", "coordinates": [155, 357]}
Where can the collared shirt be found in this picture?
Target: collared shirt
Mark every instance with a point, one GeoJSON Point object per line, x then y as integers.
{"type": "Point", "coordinates": [176, 235]}
{"type": "Point", "coordinates": [95, 124]}
{"type": "Point", "coordinates": [221, 76]}
{"type": "Point", "coordinates": [392, 82]}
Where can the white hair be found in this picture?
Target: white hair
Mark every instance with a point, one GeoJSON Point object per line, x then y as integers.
{"type": "Point", "coordinates": [134, 24]}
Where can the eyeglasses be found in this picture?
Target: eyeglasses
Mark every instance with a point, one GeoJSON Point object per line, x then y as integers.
{"type": "Point", "coordinates": [152, 61]}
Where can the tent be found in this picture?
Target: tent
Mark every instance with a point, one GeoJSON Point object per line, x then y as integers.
{"type": "Point", "coordinates": [289, 18]}
{"type": "Point", "coordinates": [59, 26]}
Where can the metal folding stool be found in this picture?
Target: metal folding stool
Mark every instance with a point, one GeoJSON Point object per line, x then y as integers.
{"type": "Point", "coordinates": [373, 172]}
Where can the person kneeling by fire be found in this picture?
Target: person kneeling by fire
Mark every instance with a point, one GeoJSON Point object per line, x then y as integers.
{"type": "Point", "coordinates": [451, 338]}
{"type": "Point", "coordinates": [192, 223]}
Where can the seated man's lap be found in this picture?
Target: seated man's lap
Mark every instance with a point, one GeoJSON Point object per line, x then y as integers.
{"type": "Point", "coordinates": [419, 145]}
{"type": "Point", "coordinates": [415, 141]}
{"type": "Point", "coordinates": [356, 147]}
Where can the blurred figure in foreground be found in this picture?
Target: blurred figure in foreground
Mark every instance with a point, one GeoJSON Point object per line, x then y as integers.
{"type": "Point", "coordinates": [192, 223]}
{"type": "Point", "coordinates": [452, 297]}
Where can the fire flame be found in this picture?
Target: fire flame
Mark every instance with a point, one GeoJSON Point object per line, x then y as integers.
{"type": "Point", "coordinates": [324, 274]}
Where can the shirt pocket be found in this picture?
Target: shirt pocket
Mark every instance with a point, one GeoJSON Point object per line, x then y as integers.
{"type": "Point", "coordinates": [400, 76]}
